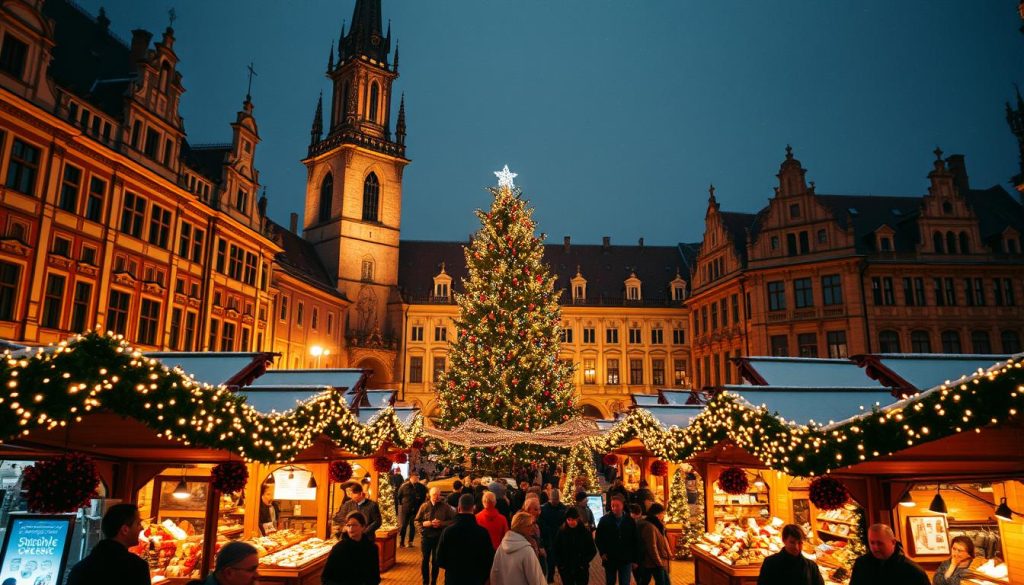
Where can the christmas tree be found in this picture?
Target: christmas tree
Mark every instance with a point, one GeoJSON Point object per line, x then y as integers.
{"type": "Point", "coordinates": [678, 508]}
{"type": "Point", "coordinates": [579, 468]}
{"type": "Point", "coordinates": [386, 502]}
{"type": "Point", "coordinates": [504, 369]}
{"type": "Point", "coordinates": [693, 520]}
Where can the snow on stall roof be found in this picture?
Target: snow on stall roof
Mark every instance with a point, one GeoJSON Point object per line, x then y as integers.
{"type": "Point", "coordinates": [605, 425]}
{"type": "Point", "coordinates": [644, 399]}
{"type": "Point", "coordinates": [213, 367]}
{"type": "Point", "coordinates": [379, 398]}
{"type": "Point", "coordinates": [335, 378]}
{"type": "Point", "coordinates": [406, 413]}
{"type": "Point", "coordinates": [794, 372]}
{"type": "Point", "coordinates": [924, 370]}
{"type": "Point", "coordinates": [675, 415]}
{"type": "Point", "coordinates": [279, 398]}
{"type": "Point", "coordinates": [821, 405]}
{"type": "Point", "coordinates": [677, 396]}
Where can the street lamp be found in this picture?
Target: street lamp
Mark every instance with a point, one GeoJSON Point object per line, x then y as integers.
{"type": "Point", "coordinates": [318, 352]}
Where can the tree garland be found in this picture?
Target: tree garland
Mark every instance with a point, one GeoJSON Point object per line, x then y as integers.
{"type": "Point", "coordinates": [56, 387]}
{"type": "Point", "coordinates": [386, 501]}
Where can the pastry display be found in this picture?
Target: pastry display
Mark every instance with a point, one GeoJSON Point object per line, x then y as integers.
{"type": "Point", "coordinates": [743, 545]}
{"type": "Point", "coordinates": [299, 554]}
{"type": "Point", "coordinates": [993, 570]}
{"type": "Point", "coordinates": [172, 550]}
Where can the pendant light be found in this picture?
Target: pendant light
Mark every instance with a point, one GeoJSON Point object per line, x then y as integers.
{"type": "Point", "coordinates": [181, 491]}
{"type": "Point", "coordinates": [906, 501]}
{"type": "Point", "coordinates": [312, 481]}
{"type": "Point", "coordinates": [938, 504]}
{"type": "Point", "coordinates": [759, 481]}
{"type": "Point", "coordinates": [1003, 511]}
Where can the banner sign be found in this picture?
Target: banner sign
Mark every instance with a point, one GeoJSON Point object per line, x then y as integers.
{"type": "Point", "coordinates": [35, 549]}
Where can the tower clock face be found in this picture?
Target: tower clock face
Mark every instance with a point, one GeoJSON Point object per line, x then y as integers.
{"type": "Point", "coordinates": [375, 40]}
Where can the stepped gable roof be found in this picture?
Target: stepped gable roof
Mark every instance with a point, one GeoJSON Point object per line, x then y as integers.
{"type": "Point", "coordinates": [996, 210]}
{"type": "Point", "coordinates": [88, 60]}
{"type": "Point", "coordinates": [605, 269]}
{"type": "Point", "coordinates": [301, 260]}
{"type": "Point", "coordinates": [737, 224]}
{"type": "Point", "coordinates": [867, 213]}
{"type": "Point", "coordinates": [206, 159]}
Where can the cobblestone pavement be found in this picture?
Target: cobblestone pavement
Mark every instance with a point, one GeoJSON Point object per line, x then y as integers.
{"type": "Point", "coordinates": [407, 571]}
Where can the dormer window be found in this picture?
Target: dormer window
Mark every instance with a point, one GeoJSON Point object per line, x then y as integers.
{"type": "Point", "coordinates": [578, 285]}
{"type": "Point", "coordinates": [242, 201]}
{"type": "Point", "coordinates": [884, 239]}
{"type": "Point", "coordinates": [633, 288]}
{"type": "Point", "coordinates": [678, 288]}
{"type": "Point", "coordinates": [885, 244]}
{"type": "Point", "coordinates": [442, 285]}
{"type": "Point", "coordinates": [13, 55]}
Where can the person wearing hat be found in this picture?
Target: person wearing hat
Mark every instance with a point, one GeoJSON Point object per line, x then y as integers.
{"type": "Point", "coordinates": [238, 563]}
{"type": "Point", "coordinates": [655, 557]}
{"type": "Point", "coordinates": [574, 549]}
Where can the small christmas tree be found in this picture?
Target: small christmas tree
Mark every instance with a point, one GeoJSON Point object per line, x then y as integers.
{"type": "Point", "coordinates": [504, 361]}
{"type": "Point", "coordinates": [693, 523]}
{"type": "Point", "coordinates": [386, 501]}
{"type": "Point", "coordinates": [678, 508]}
{"type": "Point", "coordinates": [579, 468]}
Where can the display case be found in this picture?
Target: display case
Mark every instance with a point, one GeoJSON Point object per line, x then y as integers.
{"type": "Point", "coordinates": [174, 510]}
{"type": "Point", "coordinates": [292, 557]}
{"type": "Point", "coordinates": [737, 509]}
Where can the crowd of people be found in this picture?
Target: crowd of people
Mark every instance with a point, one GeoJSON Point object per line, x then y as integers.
{"type": "Point", "coordinates": [489, 531]}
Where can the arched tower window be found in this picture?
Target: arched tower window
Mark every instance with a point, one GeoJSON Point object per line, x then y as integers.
{"type": "Point", "coordinates": [937, 242]}
{"type": "Point", "coordinates": [374, 97]}
{"type": "Point", "coordinates": [326, 198]}
{"type": "Point", "coordinates": [965, 245]}
{"type": "Point", "coordinates": [371, 197]}
{"type": "Point", "coordinates": [950, 243]}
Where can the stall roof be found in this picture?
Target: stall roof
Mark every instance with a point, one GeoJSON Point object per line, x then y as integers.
{"type": "Point", "coordinates": [267, 398]}
{"type": "Point", "coordinates": [380, 398]}
{"type": "Point", "coordinates": [606, 424]}
{"type": "Point", "coordinates": [913, 372]}
{"type": "Point", "coordinates": [803, 405]}
{"type": "Point", "coordinates": [348, 378]}
{"type": "Point", "coordinates": [404, 414]}
{"type": "Point", "coordinates": [796, 372]}
{"type": "Point", "coordinates": [676, 415]}
{"type": "Point", "coordinates": [645, 399]}
{"type": "Point", "coordinates": [217, 367]}
{"type": "Point", "coordinates": [677, 396]}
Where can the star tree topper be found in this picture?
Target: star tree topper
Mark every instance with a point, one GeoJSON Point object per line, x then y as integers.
{"type": "Point", "coordinates": [505, 177]}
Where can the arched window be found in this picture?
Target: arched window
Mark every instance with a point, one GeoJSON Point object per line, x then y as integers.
{"type": "Point", "coordinates": [947, 207]}
{"type": "Point", "coordinates": [371, 197]}
{"type": "Point", "coordinates": [937, 242]}
{"type": "Point", "coordinates": [965, 246]}
{"type": "Point", "coordinates": [981, 342]}
{"type": "Point", "coordinates": [1011, 341]}
{"type": "Point", "coordinates": [950, 243]}
{"type": "Point", "coordinates": [326, 198]}
{"type": "Point", "coordinates": [951, 342]}
{"type": "Point", "coordinates": [374, 97]}
{"type": "Point", "coordinates": [889, 341]}
{"type": "Point", "coordinates": [920, 342]}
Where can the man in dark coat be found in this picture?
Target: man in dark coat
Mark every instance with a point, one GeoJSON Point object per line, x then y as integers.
{"type": "Point", "coordinates": [433, 517]}
{"type": "Point", "coordinates": [464, 551]}
{"type": "Point", "coordinates": [616, 489]}
{"type": "Point", "coordinates": [886, 564]}
{"type": "Point", "coordinates": [365, 506]}
{"type": "Point", "coordinates": [789, 566]}
{"type": "Point", "coordinates": [409, 498]}
{"type": "Point", "coordinates": [110, 562]}
{"type": "Point", "coordinates": [618, 543]}
{"type": "Point", "coordinates": [552, 516]}
{"type": "Point", "coordinates": [574, 549]}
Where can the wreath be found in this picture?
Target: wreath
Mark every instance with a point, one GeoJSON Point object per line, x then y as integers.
{"type": "Point", "coordinates": [382, 464]}
{"type": "Point", "coordinates": [733, 480]}
{"type": "Point", "coordinates": [229, 477]}
{"type": "Point", "coordinates": [659, 468]}
{"type": "Point", "coordinates": [828, 493]}
{"type": "Point", "coordinates": [62, 484]}
{"type": "Point", "coordinates": [610, 459]}
{"type": "Point", "coordinates": [340, 471]}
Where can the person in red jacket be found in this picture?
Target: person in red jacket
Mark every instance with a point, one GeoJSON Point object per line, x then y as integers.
{"type": "Point", "coordinates": [493, 520]}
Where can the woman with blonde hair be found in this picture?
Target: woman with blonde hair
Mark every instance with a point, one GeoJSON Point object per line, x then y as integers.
{"type": "Point", "coordinates": [515, 563]}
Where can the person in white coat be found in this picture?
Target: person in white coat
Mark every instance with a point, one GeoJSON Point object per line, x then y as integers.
{"type": "Point", "coordinates": [515, 563]}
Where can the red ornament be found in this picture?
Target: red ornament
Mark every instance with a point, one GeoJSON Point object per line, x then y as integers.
{"type": "Point", "coordinates": [419, 443]}
{"type": "Point", "coordinates": [62, 484]}
{"type": "Point", "coordinates": [340, 471]}
{"type": "Point", "coordinates": [401, 458]}
{"type": "Point", "coordinates": [828, 493]}
{"type": "Point", "coordinates": [733, 480]}
{"type": "Point", "coordinates": [610, 459]}
{"type": "Point", "coordinates": [382, 464]}
{"type": "Point", "coordinates": [229, 477]}
{"type": "Point", "coordinates": [659, 468]}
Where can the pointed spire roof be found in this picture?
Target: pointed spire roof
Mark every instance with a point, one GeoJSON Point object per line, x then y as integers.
{"type": "Point", "coordinates": [318, 121]}
{"type": "Point", "coordinates": [365, 37]}
{"type": "Point", "coordinates": [400, 127]}
{"type": "Point", "coordinates": [330, 58]}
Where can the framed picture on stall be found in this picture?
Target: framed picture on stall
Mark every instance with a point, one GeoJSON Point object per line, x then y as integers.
{"type": "Point", "coordinates": [929, 535]}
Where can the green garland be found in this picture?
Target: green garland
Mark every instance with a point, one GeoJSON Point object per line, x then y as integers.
{"type": "Point", "coordinates": [579, 463]}
{"type": "Point", "coordinates": [386, 501]}
{"type": "Point", "coordinates": [56, 387]}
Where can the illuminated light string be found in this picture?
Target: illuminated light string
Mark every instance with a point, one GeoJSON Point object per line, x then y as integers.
{"type": "Point", "coordinates": [95, 370]}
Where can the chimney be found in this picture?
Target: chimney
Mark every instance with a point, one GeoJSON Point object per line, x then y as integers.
{"type": "Point", "coordinates": [958, 167]}
{"type": "Point", "coordinates": [565, 244]}
{"type": "Point", "coordinates": [293, 223]}
{"type": "Point", "coordinates": [641, 243]}
{"type": "Point", "coordinates": [140, 43]}
{"type": "Point", "coordinates": [606, 243]}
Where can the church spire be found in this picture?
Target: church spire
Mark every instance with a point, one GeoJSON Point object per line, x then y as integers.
{"type": "Point", "coordinates": [1015, 119]}
{"type": "Point", "coordinates": [318, 121]}
{"type": "Point", "coordinates": [400, 129]}
{"type": "Point", "coordinates": [330, 58]}
{"type": "Point", "coordinates": [365, 38]}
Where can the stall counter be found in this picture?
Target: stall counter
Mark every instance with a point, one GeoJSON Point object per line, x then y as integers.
{"type": "Point", "coordinates": [708, 570]}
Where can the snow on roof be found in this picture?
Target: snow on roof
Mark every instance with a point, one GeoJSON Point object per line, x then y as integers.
{"type": "Point", "coordinates": [644, 399]}
{"type": "Point", "coordinates": [925, 371]}
{"type": "Point", "coordinates": [335, 378]}
{"type": "Point", "coordinates": [676, 415]}
{"type": "Point", "coordinates": [212, 367]}
{"type": "Point", "coordinates": [677, 396]}
{"type": "Point", "coordinates": [605, 425]}
{"type": "Point", "coordinates": [279, 398]}
{"type": "Point", "coordinates": [795, 372]}
{"type": "Point", "coordinates": [803, 405]}
{"type": "Point", "coordinates": [379, 398]}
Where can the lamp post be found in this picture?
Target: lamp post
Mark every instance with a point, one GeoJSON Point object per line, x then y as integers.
{"type": "Point", "coordinates": [317, 352]}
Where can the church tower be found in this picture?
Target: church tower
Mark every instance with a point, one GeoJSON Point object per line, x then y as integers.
{"type": "Point", "coordinates": [354, 176]}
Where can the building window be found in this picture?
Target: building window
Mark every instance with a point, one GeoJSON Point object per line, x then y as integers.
{"type": "Point", "coordinates": [735, 309]}
{"type": "Point", "coordinates": [416, 333]}
{"type": "Point", "coordinates": [159, 226]}
{"type": "Point", "coordinates": [152, 143]}
{"type": "Point", "coordinates": [69, 188]}
{"type": "Point", "coordinates": [249, 274]}
{"type": "Point", "coordinates": [440, 363]}
{"type": "Point", "coordinates": [284, 309]}
{"type": "Point", "coordinates": [613, 371]}
{"type": "Point", "coordinates": [22, 167]}
{"type": "Point", "coordinates": [246, 336]}
{"type": "Point", "coordinates": [704, 319]}
{"type": "Point", "coordinates": [635, 336]}
{"type": "Point", "coordinates": [775, 242]}
{"type": "Point", "coordinates": [366, 272]}
{"type": "Point", "coordinates": [725, 312]}
{"type": "Point", "coordinates": [937, 243]}
{"type": "Point", "coordinates": [314, 319]}
{"type": "Point", "coordinates": [371, 197]}
{"type": "Point", "coordinates": [80, 307]}
{"type": "Point", "coordinates": [836, 341]}
{"type": "Point", "coordinates": [822, 237]}
{"type": "Point", "coordinates": [979, 292]}
{"type": "Point", "coordinates": [679, 372]}
{"type": "Point", "coordinates": [807, 344]}
{"type": "Point", "coordinates": [776, 296]}
{"type": "Point", "coordinates": [636, 371]}
{"type": "Point", "coordinates": [242, 200]}
{"type": "Point", "coordinates": [149, 319]}
{"type": "Point", "coordinates": [374, 98]}
{"type": "Point", "coordinates": [133, 214]}
{"type": "Point", "coordinates": [791, 249]}
{"type": "Point", "coordinates": [440, 333]}
{"type": "Point", "coordinates": [565, 335]}
{"type": "Point", "coordinates": [61, 247]}
{"type": "Point", "coordinates": [299, 309]}
{"type": "Point", "coordinates": [678, 336]}
{"type": "Point", "coordinates": [94, 201]}
{"type": "Point", "coordinates": [678, 293]}
{"type": "Point", "coordinates": [658, 372]}
{"type": "Point", "coordinates": [175, 334]}
{"type": "Point", "coordinates": [53, 301]}
{"type": "Point", "coordinates": [13, 55]}
{"type": "Point", "coordinates": [1011, 341]}
{"type": "Point", "coordinates": [190, 331]}
{"type": "Point", "coordinates": [831, 290]}
{"type": "Point", "coordinates": [589, 335]}
{"type": "Point", "coordinates": [794, 210]}
{"type": "Point", "coordinates": [589, 371]}
{"type": "Point", "coordinates": [920, 342]}
{"type": "Point", "coordinates": [227, 339]}
{"type": "Point", "coordinates": [117, 312]}
{"type": "Point", "coordinates": [714, 316]}
{"type": "Point", "coordinates": [882, 291]}
{"type": "Point", "coordinates": [9, 279]}
{"type": "Point", "coordinates": [611, 335]}
{"type": "Point", "coordinates": [168, 145]}
{"type": "Point", "coordinates": [779, 345]}
{"type": "Point", "coordinates": [633, 293]}
{"type": "Point", "coordinates": [951, 342]}
{"type": "Point", "coordinates": [981, 342]}
{"type": "Point", "coordinates": [441, 290]}
{"type": "Point", "coordinates": [214, 334]}
{"type": "Point", "coordinates": [889, 342]}
{"type": "Point", "coordinates": [657, 336]}
{"type": "Point", "coordinates": [803, 293]}
{"type": "Point", "coordinates": [416, 369]}
{"type": "Point", "coordinates": [885, 244]}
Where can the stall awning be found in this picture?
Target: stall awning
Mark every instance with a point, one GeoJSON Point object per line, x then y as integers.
{"type": "Point", "coordinates": [785, 371]}
{"type": "Point", "coordinates": [606, 424]}
{"type": "Point", "coordinates": [217, 367]}
{"type": "Point", "coordinates": [912, 373]}
{"type": "Point", "coordinates": [821, 405]}
{"type": "Point", "coordinates": [268, 398]}
{"type": "Point", "coordinates": [644, 399]}
{"type": "Point", "coordinates": [380, 398]}
{"type": "Point", "coordinates": [677, 415]}
{"type": "Point", "coordinates": [348, 378]}
{"type": "Point", "coordinates": [678, 397]}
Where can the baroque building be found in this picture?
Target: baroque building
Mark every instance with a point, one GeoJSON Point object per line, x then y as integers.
{"type": "Point", "coordinates": [111, 217]}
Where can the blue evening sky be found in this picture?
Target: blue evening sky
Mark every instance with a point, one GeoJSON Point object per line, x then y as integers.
{"type": "Point", "coordinates": [617, 115]}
